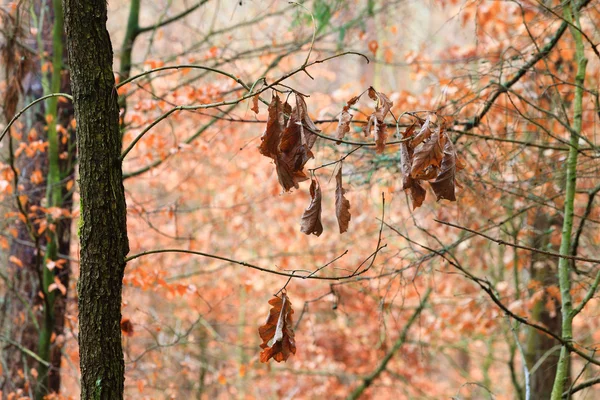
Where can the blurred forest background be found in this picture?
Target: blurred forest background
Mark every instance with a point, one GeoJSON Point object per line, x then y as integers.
{"type": "Point", "coordinates": [438, 312]}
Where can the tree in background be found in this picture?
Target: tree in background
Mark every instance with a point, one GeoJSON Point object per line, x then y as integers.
{"type": "Point", "coordinates": [42, 167]}
{"type": "Point", "coordinates": [418, 299]}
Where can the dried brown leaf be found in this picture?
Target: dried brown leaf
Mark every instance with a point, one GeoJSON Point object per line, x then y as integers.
{"type": "Point", "coordinates": [311, 218]}
{"type": "Point", "coordinates": [424, 133]}
{"type": "Point", "coordinates": [342, 205]}
{"type": "Point", "coordinates": [295, 145]}
{"type": "Point", "coordinates": [277, 333]}
{"type": "Point", "coordinates": [376, 123]}
{"type": "Point", "coordinates": [444, 184]}
{"type": "Point", "coordinates": [269, 145]}
{"type": "Point", "coordinates": [380, 137]}
{"type": "Point", "coordinates": [351, 102]}
{"type": "Point", "coordinates": [255, 104]}
{"type": "Point", "coordinates": [285, 176]}
{"type": "Point", "coordinates": [417, 194]}
{"type": "Point", "coordinates": [405, 165]}
{"type": "Point", "coordinates": [343, 124]}
{"type": "Point", "coordinates": [427, 153]}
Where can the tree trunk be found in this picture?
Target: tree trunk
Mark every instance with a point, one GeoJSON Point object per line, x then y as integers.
{"type": "Point", "coordinates": [103, 229]}
{"type": "Point", "coordinates": [546, 311]}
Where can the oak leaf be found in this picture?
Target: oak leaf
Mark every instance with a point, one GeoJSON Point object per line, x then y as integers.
{"type": "Point", "coordinates": [311, 218]}
{"type": "Point", "coordinates": [342, 205]}
{"type": "Point", "coordinates": [277, 333]}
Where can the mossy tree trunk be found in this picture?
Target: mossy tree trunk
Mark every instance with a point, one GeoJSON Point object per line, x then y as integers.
{"type": "Point", "coordinates": [103, 230]}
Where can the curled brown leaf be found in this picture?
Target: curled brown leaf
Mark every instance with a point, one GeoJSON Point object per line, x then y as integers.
{"type": "Point", "coordinates": [255, 104]}
{"type": "Point", "coordinates": [311, 218]}
{"type": "Point", "coordinates": [405, 165]}
{"type": "Point", "coordinates": [342, 205]}
{"type": "Point", "coordinates": [343, 125]}
{"type": "Point", "coordinates": [424, 133]}
{"type": "Point", "coordinates": [426, 154]}
{"type": "Point", "coordinates": [417, 194]}
{"type": "Point", "coordinates": [444, 184]}
{"type": "Point", "coordinates": [269, 145]}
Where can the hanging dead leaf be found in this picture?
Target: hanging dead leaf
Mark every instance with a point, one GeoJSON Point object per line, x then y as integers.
{"type": "Point", "coordinates": [427, 153]}
{"type": "Point", "coordinates": [311, 218]}
{"type": "Point", "coordinates": [307, 126]}
{"type": "Point", "coordinates": [285, 176]}
{"type": "Point", "coordinates": [343, 125]}
{"type": "Point", "coordinates": [405, 165]}
{"type": "Point", "coordinates": [255, 104]}
{"type": "Point", "coordinates": [376, 123]}
{"type": "Point", "coordinates": [424, 133]}
{"type": "Point", "coordinates": [417, 194]}
{"type": "Point", "coordinates": [342, 205]}
{"type": "Point", "coordinates": [295, 145]}
{"type": "Point", "coordinates": [380, 137]}
{"type": "Point", "coordinates": [269, 145]}
{"type": "Point", "coordinates": [351, 102]}
{"type": "Point", "coordinates": [277, 333]}
{"type": "Point", "coordinates": [444, 185]}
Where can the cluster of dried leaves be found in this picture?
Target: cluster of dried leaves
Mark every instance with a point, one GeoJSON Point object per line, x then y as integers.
{"type": "Point", "coordinates": [376, 125]}
{"type": "Point", "coordinates": [429, 156]}
{"type": "Point", "coordinates": [278, 333]}
{"type": "Point", "coordinates": [288, 140]}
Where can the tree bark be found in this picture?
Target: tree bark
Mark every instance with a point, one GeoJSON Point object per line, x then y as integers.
{"type": "Point", "coordinates": [103, 229]}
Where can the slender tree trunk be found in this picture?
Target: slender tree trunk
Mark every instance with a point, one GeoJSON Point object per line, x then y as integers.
{"type": "Point", "coordinates": [103, 231]}
{"type": "Point", "coordinates": [571, 15]}
{"type": "Point", "coordinates": [540, 346]}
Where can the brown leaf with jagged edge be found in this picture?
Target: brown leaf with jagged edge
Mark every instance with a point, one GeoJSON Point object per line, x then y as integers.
{"type": "Point", "coordinates": [270, 139]}
{"type": "Point", "coordinates": [343, 125]}
{"type": "Point", "coordinates": [444, 185]}
{"type": "Point", "coordinates": [430, 152]}
{"type": "Point", "coordinates": [311, 218]}
{"type": "Point", "coordinates": [424, 133]}
{"type": "Point", "coordinates": [342, 205]}
{"type": "Point", "coordinates": [277, 333]}
{"type": "Point", "coordinates": [417, 194]}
